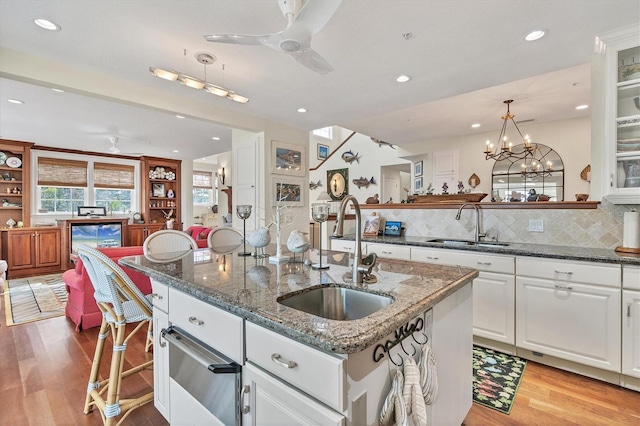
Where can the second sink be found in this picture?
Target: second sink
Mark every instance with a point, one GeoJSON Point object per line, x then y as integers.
{"type": "Point", "coordinates": [337, 303]}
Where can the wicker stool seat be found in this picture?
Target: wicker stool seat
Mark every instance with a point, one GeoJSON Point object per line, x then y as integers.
{"type": "Point", "coordinates": [121, 303]}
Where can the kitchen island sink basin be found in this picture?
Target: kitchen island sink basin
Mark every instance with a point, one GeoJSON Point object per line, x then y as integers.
{"type": "Point", "coordinates": [455, 242]}
{"type": "Point", "coordinates": [337, 303]}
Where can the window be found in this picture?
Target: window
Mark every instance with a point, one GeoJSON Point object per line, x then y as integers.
{"type": "Point", "coordinates": [325, 132]}
{"type": "Point", "coordinates": [64, 185]}
{"type": "Point", "coordinates": [203, 188]}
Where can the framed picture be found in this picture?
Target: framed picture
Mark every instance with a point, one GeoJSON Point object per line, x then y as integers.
{"type": "Point", "coordinates": [417, 169]}
{"type": "Point", "coordinates": [371, 225]}
{"type": "Point", "coordinates": [288, 159]}
{"type": "Point", "coordinates": [417, 184]}
{"type": "Point", "coordinates": [91, 211]}
{"type": "Point", "coordinates": [157, 190]}
{"type": "Point", "coordinates": [393, 229]}
{"type": "Point", "coordinates": [323, 151]}
{"type": "Point", "coordinates": [288, 191]}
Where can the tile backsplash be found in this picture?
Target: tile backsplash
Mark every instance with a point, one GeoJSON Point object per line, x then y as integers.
{"type": "Point", "coordinates": [597, 228]}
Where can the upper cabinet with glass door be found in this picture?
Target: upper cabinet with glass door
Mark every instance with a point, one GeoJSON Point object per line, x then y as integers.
{"type": "Point", "coordinates": [621, 183]}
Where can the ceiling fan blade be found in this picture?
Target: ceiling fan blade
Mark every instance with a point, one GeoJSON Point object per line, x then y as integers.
{"type": "Point", "coordinates": [315, 14]}
{"type": "Point", "coordinates": [312, 60]}
{"type": "Point", "coordinates": [243, 39]}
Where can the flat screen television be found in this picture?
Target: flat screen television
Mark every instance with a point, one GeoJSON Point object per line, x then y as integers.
{"type": "Point", "coordinates": [97, 235]}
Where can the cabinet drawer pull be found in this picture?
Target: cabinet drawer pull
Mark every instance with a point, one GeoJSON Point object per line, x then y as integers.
{"type": "Point", "coordinates": [156, 296]}
{"type": "Point", "coordinates": [563, 287]}
{"type": "Point", "coordinates": [386, 252]}
{"type": "Point", "coordinates": [432, 258]}
{"type": "Point", "coordinates": [244, 391]}
{"type": "Point", "coordinates": [484, 263]}
{"type": "Point", "coordinates": [629, 309]}
{"type": "Point", "coordinates": [563, 272]}
{"type": "Point", "coordinates": [286, 364]}
{"type": "Point", "coordinates": [195, 321]}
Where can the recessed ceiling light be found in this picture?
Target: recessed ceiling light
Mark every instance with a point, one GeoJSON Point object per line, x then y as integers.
{"type": "Point", "coordinates": [475, 125]}
{"type": "Point", "coordinates": [15, 101]}
{"type": "Point", "coordinates": [403, 78]}
{"type": "Point", "coordinates": [582, 107]}
{"type": "Point", "coordinates": [175, 150]}
{"type": "Point", "coordinates": [179, 116]}
{"type": "Point", "coordinates": [302, 110]}
{"type": "Point", "coordinates": [57, 90]}
{"type": "Point", "coordinates": [46, 24]}
{"type": "Point", "coordinates": [215, 138]}
{"type": "Point", "coordinates": [534, 35]}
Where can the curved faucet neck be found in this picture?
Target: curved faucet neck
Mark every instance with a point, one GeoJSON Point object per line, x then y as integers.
{"type": "Point", "coordinates": [357, 254]}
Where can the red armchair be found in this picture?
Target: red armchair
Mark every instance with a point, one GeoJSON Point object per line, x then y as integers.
{"type": "Point", "coordinates": [81, 306]}
{"type": "Point", "coordinates": [200, 234]}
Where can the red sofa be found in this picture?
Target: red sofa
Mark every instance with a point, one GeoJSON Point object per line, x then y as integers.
{"type": "Point", "coordinates": [200, 234]}
{"type": "Point", "coordinates": [81, 306]}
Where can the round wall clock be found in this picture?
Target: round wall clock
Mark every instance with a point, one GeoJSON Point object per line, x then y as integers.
{"type": "Point", "coordinates": [136, 217]}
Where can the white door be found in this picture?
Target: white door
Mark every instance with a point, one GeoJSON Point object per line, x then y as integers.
{"type": "Point", "coordinates": [577, 322]}
{"type": "Point", "coordinates": [245, 172]}
{"type": "Point", "coordinates": [390, 189]}
{"type": "Point", "coordinates": [631, 333]}
{"type": "Point", "coordinates": [268, 401]}
{"type": "Point", "coordinates": [445, 170]}
{"type": "Point", "coordinates": [494, 307]}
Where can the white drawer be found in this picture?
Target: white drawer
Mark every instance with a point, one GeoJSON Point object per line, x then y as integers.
{"type": "Point", "coordinates": [631, 277]}
{"type": "Point", "coordinates": [213, 326]}
{"type": "Point", "coordinates": [318, 374]}
{"type": "Point", "coordinates": [571, 271]}
{"type": "Point", "coordinates": [480, 261]}
{"type": "Point", "coordinates": [343, 245]}
{"type": "Point", "coordinates": [160, 295]}
{"type": "Point", "coordinates": [390, 251]}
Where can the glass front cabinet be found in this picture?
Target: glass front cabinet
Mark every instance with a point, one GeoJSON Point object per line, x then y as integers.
{"type": "Point", "coordinates": [619, 52]}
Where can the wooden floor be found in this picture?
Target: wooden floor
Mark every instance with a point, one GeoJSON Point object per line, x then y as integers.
{"type": "Point", "coordinates": [44, 368]}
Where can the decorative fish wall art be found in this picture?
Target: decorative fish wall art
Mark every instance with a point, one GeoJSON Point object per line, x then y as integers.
{"type": "Point", "coordinates": [383, 143]}
{"type": "Point", "coordinates": [314, 185]}
{"type": "Point", "coordinates": [364, 182]}
{"type": "Point", "coordinates": [350, 157]}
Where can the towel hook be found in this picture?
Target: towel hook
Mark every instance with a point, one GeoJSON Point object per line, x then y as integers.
{"type": "Point", "coordinates": [426, 338]}
{"type": "Point", "coordinates": [415, 351]}
{"type": "Point", "coordinates": [394, 363]}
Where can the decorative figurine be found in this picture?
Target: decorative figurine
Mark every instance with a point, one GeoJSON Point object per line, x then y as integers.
{"type": "Point", "coordinates": [460, 187]}
{"type": "Point", "coordinates": [259, 239]}
{"type": "Point", "coordinates": [445, 188]}
{"type": "Point", "coordinates": [298, 242]}
{"type": "Point", "coordinates": [430, 189]}
{"type": "Point", "coordinates": [373, 200]}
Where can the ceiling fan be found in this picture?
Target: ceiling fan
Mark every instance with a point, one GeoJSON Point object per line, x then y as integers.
{"type": "Point", "coordinates": [305, 18]}
{"type": "Point", "coordinates": [113, 149]}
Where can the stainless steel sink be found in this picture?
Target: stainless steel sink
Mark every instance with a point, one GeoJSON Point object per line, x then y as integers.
{"type": "Point", "coordinates": [455, 242]}
{"type": "Point", "coordinates": [337, 303]}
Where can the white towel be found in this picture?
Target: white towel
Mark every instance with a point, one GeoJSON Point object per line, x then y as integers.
{"type": "Point", "coordinates": [394, 408]}
{"type": "Point", "coordinates": [412, 393]}
{"type": "Point", "coordinates": [428, 374]}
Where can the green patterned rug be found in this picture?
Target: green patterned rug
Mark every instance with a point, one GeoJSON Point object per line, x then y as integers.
{"type": "Point", "coordinates": [496, 377]}
{"type": "Point", "coordinates": [35, 298]}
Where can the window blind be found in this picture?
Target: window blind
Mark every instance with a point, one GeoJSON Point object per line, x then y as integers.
{"type": "Point", "coordinates": [109, 175]}
{"type": "Point", "coordinates": [59, 172]}
{"type": "Point", "coordinates": [202, 179]}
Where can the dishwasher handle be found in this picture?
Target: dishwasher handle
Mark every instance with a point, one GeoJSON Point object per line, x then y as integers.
{"type": "Point", "coordinates": [174, 338]}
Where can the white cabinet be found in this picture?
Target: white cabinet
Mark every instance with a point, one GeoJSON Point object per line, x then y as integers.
{"type": "Point", "coordinates": [390, 251]}
{"type": "Point", "coordinates": [493, 290]}
{"type": "Point", "coordinates": [347, 246]}
{"type": "Point", "coordinates": [631, 327]}
{"type": "Point", "coordinates": [619, 129]}
{"type": "Point", "coordinates": [268, 401]}
{"type": "Point", "coordinates": [565, 315]}
{"type": "Point", "coordinates": [160, 300]}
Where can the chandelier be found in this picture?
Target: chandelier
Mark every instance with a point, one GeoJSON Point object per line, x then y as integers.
{"type": "Point", "coordinates": [195, 83]}
{"type": "Point", "coordinates": [505, 148]}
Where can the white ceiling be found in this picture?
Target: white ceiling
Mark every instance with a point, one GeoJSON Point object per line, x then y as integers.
{"type": "Point", "coordinates": [465, 58]}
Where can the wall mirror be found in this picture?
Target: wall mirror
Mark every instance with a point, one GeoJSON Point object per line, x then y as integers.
{"type": "Point", "coordinates": [338, 183]}
{"type": "Point", "coordinates": [539, 176]}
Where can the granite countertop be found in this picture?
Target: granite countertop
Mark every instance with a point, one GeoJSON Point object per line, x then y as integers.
{"type": "Point", "coordinates": [249, 287]}
{"type": "Point", "coordinates": [517, 249]}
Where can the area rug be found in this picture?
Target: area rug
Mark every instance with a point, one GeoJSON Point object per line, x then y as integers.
{"type": "Point", "coordinates": [35, 298]}
{"type": "Point", "coordinates": [496, 377]}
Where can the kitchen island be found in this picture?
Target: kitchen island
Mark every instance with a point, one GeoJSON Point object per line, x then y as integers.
{"type": "Point", "coordinates": [342, 369]}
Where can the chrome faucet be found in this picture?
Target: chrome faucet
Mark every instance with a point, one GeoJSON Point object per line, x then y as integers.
{"type": "Point", "coordinates": [478, 234]}
{"type": "Point", "coordinates": [360, 269]}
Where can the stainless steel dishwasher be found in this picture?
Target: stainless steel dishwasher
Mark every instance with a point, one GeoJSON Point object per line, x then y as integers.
{"type": "Point", "coordinates": [207, 375]}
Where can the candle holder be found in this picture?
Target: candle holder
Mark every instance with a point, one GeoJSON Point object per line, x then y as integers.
{"type": "Point", "coordinates": [320, 213]}
{"type": "Point", "coordinates": [244, 211]}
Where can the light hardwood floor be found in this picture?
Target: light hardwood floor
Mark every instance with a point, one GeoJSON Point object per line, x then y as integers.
{"type": "Point", "coordinates": [44, 368]}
